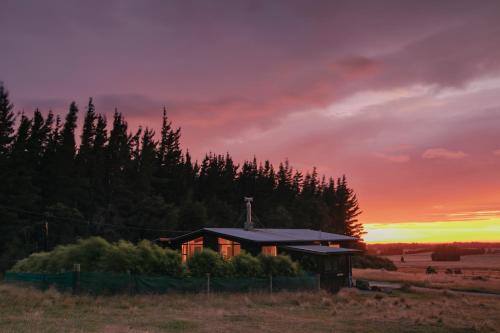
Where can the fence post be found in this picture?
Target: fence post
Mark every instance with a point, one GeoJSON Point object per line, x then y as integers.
{"type": "Point", "coordinates": [208, 283]}
{"type": "Point", "coordinates": [318, 279]}
{"type": "Point", "coordinates": [271, 283]}
{"type": "Point", "coordinates": [129, 282]}
{"type": "Point", "coordinates": [76, 278]}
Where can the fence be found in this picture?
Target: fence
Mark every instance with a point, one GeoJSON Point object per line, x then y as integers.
{"type": "Point", "coordinates": [99, 283]}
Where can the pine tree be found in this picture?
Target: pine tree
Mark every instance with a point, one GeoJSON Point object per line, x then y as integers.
{"type": "Point", "coordinates": [66, 189]}
{"type": "Point", "coordinates": [22, 193]}
{"type": "Point", "coordinates": [167, 181]}
{"type": "Point", "coordinates": [169, 152]}
{"type": "Point", "coordinates": [119, 200]}
{"type": "Point", "coordinates": [346, 210]}
{"type": "Point", "coordinates": [19, 193]}
{"type": "Point", "coordinates": [68, 143]}
{"type": "Point", "coordinates": [88, 136]}
{"type": "Point", "coordinates": [9, 218]}
{"type": "Point", "coordinates": [100, 153]}
{"type": "Point", "coordinates": [7, 119]}
{"type": "Point", "coordinates": [49, 163]}
{"type": "Point", "coordinates": [147, 159]}
{"type": "Point", "coordinates": [39, 136]}
{"type": "Point", "coordinates": [119, 149]}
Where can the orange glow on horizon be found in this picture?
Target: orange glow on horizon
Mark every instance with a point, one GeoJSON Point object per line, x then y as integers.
{"type": "Point", "coordinates": [434, 232]}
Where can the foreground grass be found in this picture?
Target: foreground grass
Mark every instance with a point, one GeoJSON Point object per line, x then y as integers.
{"type": "Point", "coordinates": [27, 310]}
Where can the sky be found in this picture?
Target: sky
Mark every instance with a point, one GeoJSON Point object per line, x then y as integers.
{"type": "Point", "coordinates": [403, 97]}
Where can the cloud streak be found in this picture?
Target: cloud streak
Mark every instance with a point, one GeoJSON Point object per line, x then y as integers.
{"type": "Point", "coordinates": [442, 153]}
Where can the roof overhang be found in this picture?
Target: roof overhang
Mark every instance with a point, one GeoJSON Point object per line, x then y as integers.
{"type": "Point", "coordinates": [268, 236]}
{"type": "Point", "coordinates": [320, 249]}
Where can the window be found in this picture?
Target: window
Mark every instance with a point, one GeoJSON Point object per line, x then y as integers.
{"type": "Point", "coordinates": [228, 248]}
{"type": "Point", "coordinates": [270, 250]}
{"type": "Point", "coordinates": [191, 247]}
{"type": "Point", "coordinates": [331, 244]}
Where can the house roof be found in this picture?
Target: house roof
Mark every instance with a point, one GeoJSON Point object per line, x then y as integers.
{"type": "Point", "coordinates": [262, 235]}
{"type": "Point", "coordinates": [320, 249]}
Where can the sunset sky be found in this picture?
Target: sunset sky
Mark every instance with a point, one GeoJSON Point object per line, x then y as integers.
{"type": "Point", "coordinates": [401, 96]}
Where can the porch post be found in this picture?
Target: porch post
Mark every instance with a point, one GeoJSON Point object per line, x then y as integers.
{"type": "Point", "coordinates": [349, 272]}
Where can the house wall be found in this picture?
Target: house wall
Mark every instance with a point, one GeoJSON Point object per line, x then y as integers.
{"type": "Point", "coordinates": [330, 278]}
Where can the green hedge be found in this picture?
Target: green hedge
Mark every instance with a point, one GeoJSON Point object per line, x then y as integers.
{"type": "Point", "coordinates": [97, 255]}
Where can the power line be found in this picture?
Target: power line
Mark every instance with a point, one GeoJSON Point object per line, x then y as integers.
{"type": "Point", "coordinates": [81, 221]}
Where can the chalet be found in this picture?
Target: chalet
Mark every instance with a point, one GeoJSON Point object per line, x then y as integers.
{"type": "Point", "coordinates": [325, 250]}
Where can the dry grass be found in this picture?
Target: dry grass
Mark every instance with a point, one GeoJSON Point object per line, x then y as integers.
{"type": "Point", "coordinates": [479, 272]}
{"type": "Point", "coordinates": [28, 310]}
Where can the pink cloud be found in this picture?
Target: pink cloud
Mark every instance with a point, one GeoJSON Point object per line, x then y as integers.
{"type": "Point", "coordinates": [496, 152]}
{"type": "Point", "coordinates": [435, 153]}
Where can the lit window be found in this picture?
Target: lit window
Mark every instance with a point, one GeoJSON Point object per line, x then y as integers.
{"type": "Point", "coordinates": [331, 244]}
{"type": "Point", "coordinates": [228, 248]}
{"type": "Point", "coordinates": [270, 250]}
{"type": "Point", "coordinates": [191, 247]}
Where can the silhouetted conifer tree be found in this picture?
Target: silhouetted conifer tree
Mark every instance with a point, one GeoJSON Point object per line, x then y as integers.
{"type": "Point", "coordinates": [124, 186]}
{"type": "Point", "coordinates": [7, 119]}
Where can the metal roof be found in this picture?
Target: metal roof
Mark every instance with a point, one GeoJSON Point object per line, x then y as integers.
{"type": "Point", "coordinates": [320, 249]}
{"type": "Point", "coordinates": [274, 235]}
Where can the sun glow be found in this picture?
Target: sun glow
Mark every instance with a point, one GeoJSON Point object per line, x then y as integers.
{"type": "Point", "coordinates": [434, 232]}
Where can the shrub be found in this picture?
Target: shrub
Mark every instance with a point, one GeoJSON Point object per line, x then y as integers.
{"type": "Point", "coordinates": [430, 270]}
{"type": "Point", "coordinates": [36, 263]}
{"type": "Point", "coordinates": [154, 259]}
{"type": "Point", "coordinates": [88, 252]}
{"type": "Point", "coordinates": [278, 265]}
{"type": "Point", "coordinates": [172, 263]}
{"type": "Point", "coordinates": [208, 261]}
{"type": "Point", "coordinates": [370, 261]}
{"type": "Point", "coordinates": [446, 253]}
{"type": "Point", "coordinates": [246, 265]}
{"type": "Point", "coordinates": [96, 254]}
{"type": "Point", "coordinates": [120, 258]}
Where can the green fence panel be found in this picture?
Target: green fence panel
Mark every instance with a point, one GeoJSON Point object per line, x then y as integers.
{"type": "Point", "coordinates": [61, 281]}
{"type": "Point", "coordinates": [238, 284]}
{"type": "Point", "coordinates": [99, 283]}
{"type": "Point", "coordinates": [302, 282]}
{"type": "Point", "coordinates": [105, 283]}
{"type": "Point", "coordinates": [165, 284]}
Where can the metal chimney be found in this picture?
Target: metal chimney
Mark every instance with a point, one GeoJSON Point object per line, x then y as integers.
{"type": "Point", "coordinates": [248, 222]}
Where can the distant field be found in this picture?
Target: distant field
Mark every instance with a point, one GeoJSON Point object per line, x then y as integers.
{"type": "Point", "coordinates": [28, 310]}
{"type": "Point", "coordinates": [479, 272]}
{"type": "Point", "coordinates": [480, 262]}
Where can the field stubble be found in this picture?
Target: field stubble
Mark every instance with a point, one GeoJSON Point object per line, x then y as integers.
{"type": "Point", "coordinates": [26, 310]}
{"type": "Point", "coordinates": [477, 272]}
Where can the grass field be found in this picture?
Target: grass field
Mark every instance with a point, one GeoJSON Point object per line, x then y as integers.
{"type": "Point", "coordinates": [479, 272]}
{"type": "Point", "coordinates": [26, 310]}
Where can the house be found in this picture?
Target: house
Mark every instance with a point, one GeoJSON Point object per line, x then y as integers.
{"type": "Point", "coordinates": [323, 251]}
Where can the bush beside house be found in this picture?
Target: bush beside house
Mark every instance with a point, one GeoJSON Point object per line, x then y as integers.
{"type": "Point", "coordinates": [97, 255]}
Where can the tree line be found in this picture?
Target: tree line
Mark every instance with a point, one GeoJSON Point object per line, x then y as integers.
{"type": "Point", "coordinates": [133, 185]}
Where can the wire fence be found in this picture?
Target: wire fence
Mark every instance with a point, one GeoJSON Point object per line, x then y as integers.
{"type": "Point", "coordinates": [100, 283]}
